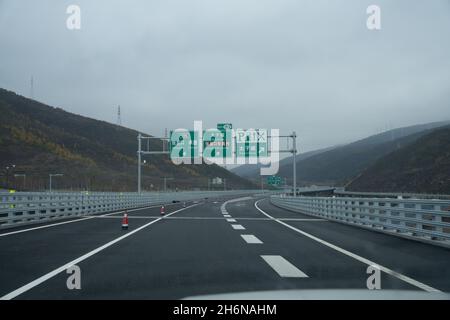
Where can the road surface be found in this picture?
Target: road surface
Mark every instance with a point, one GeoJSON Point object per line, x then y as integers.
{"type": "Point", "coordinates": [211, 247]}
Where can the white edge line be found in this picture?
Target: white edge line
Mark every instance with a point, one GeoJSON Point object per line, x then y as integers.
{"type": "Point", "coordinates": [46, 226]}
{"type": "Point", "coordinates": [76, 219]}
{"type": "Point", "coordinates": [223, 206]}
{"type": "Point", "coordinates": [198, 218]}
{"type": "Point", "coordinates": [354, 256]}
{"type": "Point", "coordinates": [53, 273]}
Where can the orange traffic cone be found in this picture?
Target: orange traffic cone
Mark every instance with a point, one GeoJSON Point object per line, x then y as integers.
{"type": "Point", "coordinates": [125, 221]}
{"type": "Point", "coordinates": [163, 211]}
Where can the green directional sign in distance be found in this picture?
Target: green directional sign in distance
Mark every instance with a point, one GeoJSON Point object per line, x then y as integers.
{"type": "Point", "coordinates": [274, 180]}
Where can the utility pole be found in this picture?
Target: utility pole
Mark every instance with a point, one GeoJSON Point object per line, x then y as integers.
{"type": "Point", "coordinates": [224, 184]}
{"type": "Point", "coordinates": [140, 152]}
{"type": "Point", "coordinates": [294, 169]}
{"type": "Point", "coordinates": [293, 136]}
{"type": "Point", "coordinates": [139, 162]}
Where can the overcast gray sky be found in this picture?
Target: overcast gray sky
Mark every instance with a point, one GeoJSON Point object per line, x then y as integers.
{"type": "Point", "coordinates": [310, 66]}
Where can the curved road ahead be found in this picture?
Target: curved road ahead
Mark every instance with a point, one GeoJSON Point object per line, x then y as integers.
{"type": "Point", "coordinates": [209, 247]}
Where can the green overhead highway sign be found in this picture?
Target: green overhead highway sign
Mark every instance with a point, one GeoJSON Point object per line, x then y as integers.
{"type": "Point", "coordinates": [227, 137]}
{"type": "Point", "coordinates": [218, 143]}
{"type": "Point", "coordinates": [183, 144]}
{"type": "Point", "coordinates": [251, 143]}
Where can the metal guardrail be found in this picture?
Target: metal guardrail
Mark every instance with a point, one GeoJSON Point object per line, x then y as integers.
{"type": "Point", "coordinates": [31, 207]}
{"type": "Point", "coordinates": [343, 193]}
{"type": "Point", "coordinates": [420, 219]}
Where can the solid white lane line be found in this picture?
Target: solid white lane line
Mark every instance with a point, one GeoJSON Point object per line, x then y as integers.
{"type": "Point", "coordinates": [53, 273]}
{"type": "Point", "coordinates": [237, 227]}
{"type": "Point", "coordinates": [223, 206]}
{"type": "Point", "coordinates": [234, 200]}
{"type": "Point", "coordinates": [354, 256]}
{"type": "Point", "coordinates": [199, 218]}
{"type": "Point", "coordinates": [72, 221]}
{"type": "Point", "coordinates": [231, 220]}
{"type": "Point", "coordinates": [130, 217]}
{"type": "Point", "coordinates": [283, 267]}
{"type": "Point", "coordinates": [249, 238]}
{"type": "Point", "coordinates": [302, 219]}
{"type": "Point", "coordinates": [43, 227]}
{"type": "Point", "coordinates": [57, 224]}
{"type": "Point", "coordinates": [76, 219]}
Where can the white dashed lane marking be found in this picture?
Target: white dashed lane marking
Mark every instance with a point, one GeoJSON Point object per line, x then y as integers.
{"type": "Point", "coordinates": [283, 267]}
{"type": "Point", "coordinates": [249, 238]}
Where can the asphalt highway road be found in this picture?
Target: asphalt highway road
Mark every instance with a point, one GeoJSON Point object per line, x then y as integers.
{"type": "Point", "coordinates": [209, 247]}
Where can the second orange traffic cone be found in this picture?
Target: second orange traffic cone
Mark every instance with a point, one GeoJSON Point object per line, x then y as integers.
{"type": "Point", "coordinates": [125, 221]}
{"type": "Point", "coordinates": [163, 211]}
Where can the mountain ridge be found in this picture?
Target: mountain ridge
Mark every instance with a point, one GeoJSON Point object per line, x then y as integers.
{"type": "Point", "coordinates": [339, 165]}
{"type": "Point", "coordinates": [421, 167]}
{"type": "Point", "coordinates": [93, 154]}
